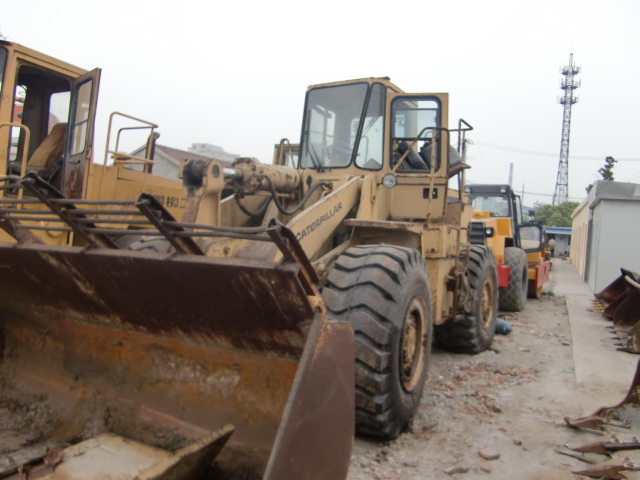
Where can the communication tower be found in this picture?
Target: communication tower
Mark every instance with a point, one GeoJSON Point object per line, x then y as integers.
{"type": "Point", "coordinates": [568, 85]}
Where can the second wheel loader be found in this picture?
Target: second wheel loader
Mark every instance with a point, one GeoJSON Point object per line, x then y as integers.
{"type": "Point", "coordinates": [519, 248]}
{"type": "Point", "coordinates": [310, 296]}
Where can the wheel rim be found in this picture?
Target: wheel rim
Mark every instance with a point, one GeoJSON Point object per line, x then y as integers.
{"type": "Point", "coordinates": [413, 344]}
{"type": "Point", "coordinates": [487, 302]}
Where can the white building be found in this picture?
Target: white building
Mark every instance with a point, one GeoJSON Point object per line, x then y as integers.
{"type": "Point", "coordinates": [562, 237]}
{"type": "Point", "coordinates": [606, 229]}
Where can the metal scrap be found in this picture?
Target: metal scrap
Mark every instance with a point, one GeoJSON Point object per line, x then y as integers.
{"type": "Point", "coordinates": [610, 470]}
{"type": "Point", "coordinates": [620, 301]}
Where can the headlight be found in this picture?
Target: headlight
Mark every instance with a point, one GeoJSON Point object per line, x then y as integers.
{"type": "Point", "coordinates": [389, 180]}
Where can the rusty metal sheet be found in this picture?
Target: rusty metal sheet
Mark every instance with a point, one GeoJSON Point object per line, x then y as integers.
{"type": "Point", "coordinates": [111, 457]}
{"type": "Point", "coordinates": [610, 470]}
{"type": "Point", "coordinates": [614, 289]}
{"type": "Point", "coordinates": [620, 301]}
{"type": "Point", "coordinates": [624, 413]}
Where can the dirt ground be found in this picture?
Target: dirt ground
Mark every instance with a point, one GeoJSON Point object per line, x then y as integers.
{"type": "Point", "coordinates": [496, 415]}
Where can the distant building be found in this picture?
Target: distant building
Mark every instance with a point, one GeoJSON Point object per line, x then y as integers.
{"type": "Point", "coordinates": [562, 237]}
{"type": "Point", "coordinates": [212, 151]}
{"type": "Point", "coordinates": [606, 232]}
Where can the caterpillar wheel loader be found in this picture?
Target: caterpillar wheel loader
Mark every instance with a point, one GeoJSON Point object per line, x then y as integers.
{"type": "Point", "coordinates": [518, 247]}
{"type": "Point", "coordinates": [47, 123]}
{"type": "Point", "coordinates": [272, 322]}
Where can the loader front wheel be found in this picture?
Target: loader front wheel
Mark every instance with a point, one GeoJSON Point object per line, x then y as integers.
{"type": "Point", "coordinates": [474, 332]}
{"type": "Point", "coordinates": [383, 291]}
{"type": "Point", "coordinates": [513, 298]}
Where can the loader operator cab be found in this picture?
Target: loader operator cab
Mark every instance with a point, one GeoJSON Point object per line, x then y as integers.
{"type": "Point", "coordinates": [501, 202]}
{"type": "Point", "coordinates": [47, 110]}
{"type": "Point", "coordinates": [41, 103]}
{"type": "Point", "coordinates": [344, 125]}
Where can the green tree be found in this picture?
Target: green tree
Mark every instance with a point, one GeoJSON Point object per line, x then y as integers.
{"type": "Point", "coordinates": [606, 172]}
{"type": "Point", "coordinates": [554, 215]}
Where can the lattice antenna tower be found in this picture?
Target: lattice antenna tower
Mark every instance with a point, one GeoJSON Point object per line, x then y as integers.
{"type": "Point", "coordinates": [568, 85]}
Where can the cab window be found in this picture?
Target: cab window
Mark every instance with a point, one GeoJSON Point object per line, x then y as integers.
{"type": "Point", "coordinates": [413, 122]}
{"type": "Point", "coordinates": [3, 61]}
{"type": "Point", "coordinates": [40, 101]}
{"type": "Point", "coordinates": [80, 118]}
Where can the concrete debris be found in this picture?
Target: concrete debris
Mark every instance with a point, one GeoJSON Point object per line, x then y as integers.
{"type": "Point", "coordinates": [489, 453]}
{"type": "Point", "coordinates": [456, 469]}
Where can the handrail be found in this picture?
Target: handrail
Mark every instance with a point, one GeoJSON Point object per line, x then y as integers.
{"type": "Point", "coordinates": [137, 160]}
{"type": "Point", "coordinates": [121, 157]}
{"type": "Point", "coordinates": [25, 150]}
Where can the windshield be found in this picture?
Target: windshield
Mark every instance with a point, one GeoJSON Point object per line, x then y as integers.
{"type": "Point", "coordinates": [496, 205]}
{"type": "Point", "coordinates": [413, 120]}
{"type": "Point", "coordinates": [3, 59]}
{"type": "Point", "coordinates": [331, 124]}
{"type": "Point", "coordinates": [412, 115]}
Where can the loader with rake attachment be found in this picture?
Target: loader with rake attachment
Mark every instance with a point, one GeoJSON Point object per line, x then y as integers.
{"type": "Point", "coordinates": [47, 126]}
{"type": "Point", "coordinates": [273, 322]}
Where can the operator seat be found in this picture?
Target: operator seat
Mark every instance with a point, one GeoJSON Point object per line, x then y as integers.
{"type": "Point", "coordinates": [413, 161]}
{"type": "Point", "coordinates": [455, 160]}
{"type": "Point", "coordinates": [46, 160]}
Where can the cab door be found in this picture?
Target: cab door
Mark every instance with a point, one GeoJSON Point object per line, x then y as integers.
{"type": "Point", "coordinates": [81, 126]}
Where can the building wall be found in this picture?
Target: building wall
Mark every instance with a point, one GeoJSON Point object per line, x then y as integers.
{"type": "Point", "coordinates": [614, 235]}
{"type": "Point", "coordinates": [579, 236]}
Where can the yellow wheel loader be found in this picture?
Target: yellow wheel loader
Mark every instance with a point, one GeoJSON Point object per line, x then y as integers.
{"type": "Point", "coordinates": [273, 321]}
{"type": "Point", "coordinates": [518, 247]}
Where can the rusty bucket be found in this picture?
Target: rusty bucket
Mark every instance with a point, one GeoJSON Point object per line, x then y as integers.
{"type": "Point", "coordinates": [181, 353]}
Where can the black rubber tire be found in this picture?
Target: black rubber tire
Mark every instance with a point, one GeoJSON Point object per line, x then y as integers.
{"type": "Point", "coordinates": [513, 298]}
{"type": "Point", "coordinates": [475, 332]}
{"type": "Point", "coordinates": [384, 292]}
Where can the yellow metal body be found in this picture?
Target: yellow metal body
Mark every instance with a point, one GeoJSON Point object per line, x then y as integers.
{"type": "Point", "coordinates": [352, 207]}
{"type": "Point", "coordinates": [503, 231]}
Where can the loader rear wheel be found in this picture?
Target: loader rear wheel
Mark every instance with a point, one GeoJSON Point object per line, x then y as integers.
{"type": "Point", "coordinates": [474, 333]}
{"type": "Point", "coordinates": [513, 298]}
{"type": "Point", "coordinates": [383, 291]}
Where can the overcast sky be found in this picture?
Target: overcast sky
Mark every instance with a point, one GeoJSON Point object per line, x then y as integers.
{"type": "Point", "coordinates": [234, 74]}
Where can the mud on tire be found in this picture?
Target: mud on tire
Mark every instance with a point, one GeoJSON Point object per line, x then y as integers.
{"type": "Point", "coordinates": [513, 298]}
{"type": "Point", "coordinates": [475, 332]}
{"type": "Point", "coordinates": [383, 291]}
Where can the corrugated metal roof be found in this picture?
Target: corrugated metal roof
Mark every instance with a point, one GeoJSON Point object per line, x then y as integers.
{"type": "Point", "coordinates": [558, 230]}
